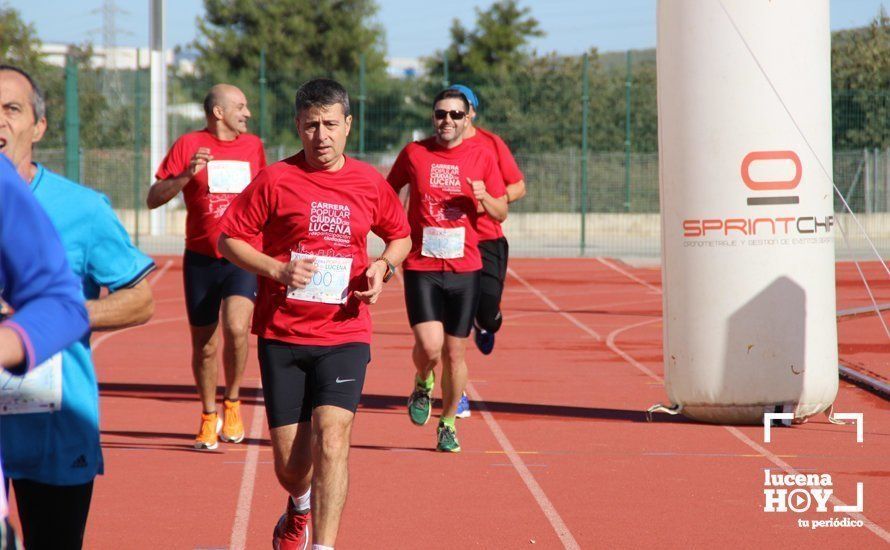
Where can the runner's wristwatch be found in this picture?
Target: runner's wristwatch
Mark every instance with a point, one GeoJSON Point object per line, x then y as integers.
{"type": "Point", "coordinates": [390, 269]}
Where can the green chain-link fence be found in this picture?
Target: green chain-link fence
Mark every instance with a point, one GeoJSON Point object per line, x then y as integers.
{"type": "Point", "coordinates": [592, 188]}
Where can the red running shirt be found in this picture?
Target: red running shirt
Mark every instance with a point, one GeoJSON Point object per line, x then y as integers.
{"type": "Point", "coordinates": [441, 197]}
{"type": "Point", "coordinates": [294, 207]}
{"type": "Point", "coordinates": [203, 208]}
{"type": "Point", "coordinates": [487, 227]}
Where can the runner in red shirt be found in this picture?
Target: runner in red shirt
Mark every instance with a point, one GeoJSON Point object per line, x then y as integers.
{"type": "Point", "coordinates": [313, 212]}
{"type": "Point", "coordinates": [452, 185]}
{"type": "Point", "coordinates": [211, 167]}
{"type": "Point", "coordinates": [492, 242]}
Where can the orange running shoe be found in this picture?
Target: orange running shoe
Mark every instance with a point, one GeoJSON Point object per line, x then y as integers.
{"type": "Point", "coordinates": [210, 426]}
{"type": "Point", "coordinates": [232, 428]}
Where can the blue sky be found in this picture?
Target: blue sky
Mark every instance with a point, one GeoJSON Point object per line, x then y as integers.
{"type": "Point", "coordinates": [413, 28]}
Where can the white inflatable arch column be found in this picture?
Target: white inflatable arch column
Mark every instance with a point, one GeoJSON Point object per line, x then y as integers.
{"type": "Point", "coordinates": [744, 115]}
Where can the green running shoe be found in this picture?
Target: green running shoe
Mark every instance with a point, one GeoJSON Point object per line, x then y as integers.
{"type": "Point", "coordinates": [447, 437]}
{"type": "Point", "coordinates": [420, 406]}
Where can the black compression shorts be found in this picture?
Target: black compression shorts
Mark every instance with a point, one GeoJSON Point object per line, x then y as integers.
{"type": "Point", "coordinates": [491, 287]}
{"type": "Point", "coordinates": [450, 298]}
{"type": "Point", "coordinates": [208, 281]}
{"type": "Point", "coordinates": [298, 378]}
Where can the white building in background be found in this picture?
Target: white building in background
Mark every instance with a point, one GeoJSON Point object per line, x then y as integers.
{"type": "Point", "coordinates": [404, 67]}
{"type": "Point", "coordinates": [119, 57]}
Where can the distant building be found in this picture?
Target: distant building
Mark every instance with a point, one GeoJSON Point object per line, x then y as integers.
{"type": "Point", "coordinates": [120, 57]}
{"type": "Point", "coordinates": [126, 57]}
{"type": "Point", "coordinates": [404, 67]}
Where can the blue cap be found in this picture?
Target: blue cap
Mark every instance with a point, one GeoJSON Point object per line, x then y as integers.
{"type": "Point", "coordinates": [468, 93]}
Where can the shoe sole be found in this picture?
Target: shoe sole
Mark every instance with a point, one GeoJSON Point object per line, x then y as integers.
{"type": "Point", "coordinates": [464, 414]}
{"type": "Point", "coordinates": [201, 446]}
{"type": "Point", "coordinates": [455, 450]}
{"type": "Point", "coordinates": [237, 439]}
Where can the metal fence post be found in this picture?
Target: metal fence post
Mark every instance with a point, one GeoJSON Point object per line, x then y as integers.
{"type": "Point", "coordinates": [627, 85]}
{"type": "Point", "coordinates": [137, 150]}
{"type": "Point", "coordinates": [585, 106]}
{"type": "Point", "coordinates": [361, 106]}
{"type": "Point", "coordinates": [445, 80]}
{"type": "Point", "coordinates": [868, 182]}
{"type": "Point", "coordinates": [263, 95]}
{"type": "Point", "coordinates": [72, 121]}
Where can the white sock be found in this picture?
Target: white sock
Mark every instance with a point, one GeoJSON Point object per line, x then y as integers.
{"type": "Point", "coordinates": [321, 547]}
{"type": "Point", "coordinates": [302, 502]}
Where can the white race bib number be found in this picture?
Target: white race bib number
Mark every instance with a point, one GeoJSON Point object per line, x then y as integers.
{"type": "Point", "coordinates": [329, 283]}
{"type": "Point", "coordinates": [39, 391]}
{"type": "Point", "coordinates": [228, 176]}
{"type": "Point", "coordinates": [443, 243]}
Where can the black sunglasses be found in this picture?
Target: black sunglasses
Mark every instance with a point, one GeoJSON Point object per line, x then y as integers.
{"type": "Point", "coordinates": [440, 114]}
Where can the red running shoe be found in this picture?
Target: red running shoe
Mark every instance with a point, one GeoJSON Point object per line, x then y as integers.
{"type": "Point", "coordinates": [292, 530]}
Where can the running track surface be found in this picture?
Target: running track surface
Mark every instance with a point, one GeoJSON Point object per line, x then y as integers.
{"type": "Point", "coordinates": [557, 454]}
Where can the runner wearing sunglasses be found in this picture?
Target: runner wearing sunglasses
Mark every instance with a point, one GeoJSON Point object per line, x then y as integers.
{"type": "Point", "coordinates": [452, 184]}
{"type": "Point", "coordinates": [492, 243]}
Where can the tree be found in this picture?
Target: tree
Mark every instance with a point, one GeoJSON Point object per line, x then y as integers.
{"type": "Point", "coordinates": [19, 44]}
{"type": "Point", "coordinates": [302, 39]}
{"type": "Point", "coordinates": [496, 47]}
{"type": "Point", "coordinates": [861, 81]}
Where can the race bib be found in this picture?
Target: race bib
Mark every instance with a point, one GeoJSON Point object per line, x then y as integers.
{"type": "Point", "coordinates": [228, 176]}
{"type": "Point", "coordinates": [39, 391]}
{"type": "Point", "coordinates": [443, 243]}
{"type": "Point", "coordinates": [329, 283]}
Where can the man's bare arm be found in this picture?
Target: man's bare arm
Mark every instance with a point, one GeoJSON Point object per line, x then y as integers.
{"type": "Point", "coordinates": [515, 191]}
{"type": "Point", "coordinates": [126, 307]}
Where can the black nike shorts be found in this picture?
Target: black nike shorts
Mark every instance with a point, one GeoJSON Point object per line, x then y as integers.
{"type": "Point", "coordinates": [208, 281]}
{"type": "Point", "coordinates": [298, 378]}
{"type": "Point", "coordinates": [450, 298]}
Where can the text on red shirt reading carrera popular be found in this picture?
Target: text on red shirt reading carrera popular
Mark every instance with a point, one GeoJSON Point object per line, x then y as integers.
{"type": "Point", "coordinates": [440, 196]}
{"type": "Point", "coordinates": [205, 200]}
{"type": "Point", "coordinates": [487, 227]}
{"type": "Point", "coordinates": [295, 208]}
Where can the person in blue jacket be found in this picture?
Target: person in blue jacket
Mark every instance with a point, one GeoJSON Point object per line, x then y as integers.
{"type": "Point", "coordinates": [41, 306]}
{"type": "Point", "coordinates": [53, 457]}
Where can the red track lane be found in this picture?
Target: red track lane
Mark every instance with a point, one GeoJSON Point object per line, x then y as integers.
{"type": "Point", "coordinates": [565, 458]}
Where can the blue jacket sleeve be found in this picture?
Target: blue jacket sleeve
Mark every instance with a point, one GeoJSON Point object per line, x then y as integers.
{"type": "Point", "coordinates": [35, 279]}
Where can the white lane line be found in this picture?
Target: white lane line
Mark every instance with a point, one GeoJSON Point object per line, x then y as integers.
{"type": "Point", "coordinates": [100, 340]}
{"type": "Point", "coordinates": [629, 275]}
{"type": "Point", "coordinates": [157, 277]}
{"type": "Point", "coordinates": [610, 343]}
{"type": "Point", "coordinates": [553, 306]}
{"type": "Point", "coordinates": [245, 494]}
{"type": "Point", "coordinates": [562, 531]}
{"type": "Point", "coordinates": [873, 527]}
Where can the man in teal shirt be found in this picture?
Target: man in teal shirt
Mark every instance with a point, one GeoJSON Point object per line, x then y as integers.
{"type": "Point", "coordinates": [53, 457]}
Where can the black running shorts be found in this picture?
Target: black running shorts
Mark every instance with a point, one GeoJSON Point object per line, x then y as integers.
{"type": "Point", "coordinates": [208, 281]}
{"type": "Point", "coordinates": [450, 298]}
{"type": "Point", "coordinates": [298, 378]}
{"type": "Point", "coordinates": [491, 287]}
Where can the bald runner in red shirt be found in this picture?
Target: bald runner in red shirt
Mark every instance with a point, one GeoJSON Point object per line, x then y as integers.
{"type": "Point", "coordinates": [210, 167]}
